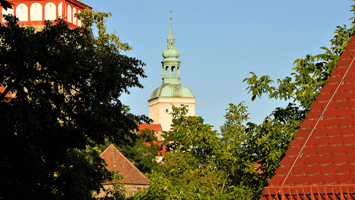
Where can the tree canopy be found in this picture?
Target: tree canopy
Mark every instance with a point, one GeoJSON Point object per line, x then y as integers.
{"type": "Point", "coordinates": [5, 4]}
{"type": "Point", "coordinates": [239, 162]}
{"type": "Point", "coordinates": [65, 85]}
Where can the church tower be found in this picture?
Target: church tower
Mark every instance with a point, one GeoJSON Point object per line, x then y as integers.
{"type": "Point", "coordinates": [171, 92]}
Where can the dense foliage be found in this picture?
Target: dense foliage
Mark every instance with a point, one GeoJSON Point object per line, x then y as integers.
{"type": "Point", "coordinates": [239, 162]}
{"type": "Point", "coordinates": [65, 85]}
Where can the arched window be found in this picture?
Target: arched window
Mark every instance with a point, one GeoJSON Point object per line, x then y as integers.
{"type": "Point", "coordinates": [50, 11]}
{"type": "Point", "coordinates": [74, 18]}
{"type": "Point", "coordinates": [60, 10]}
{"type": "Point", "coordinates": [6, 12]}
{"type": "Point", "coordinates": [167, 71]}
{"type": "Point", "coordinates": [22, 12]}
{"type": "Point", "coordinates": [173, 72]}
{"type": "Point", "coordinates": [36, 12]}
{"type": "Point", "coordinates": [69, 13]}
{"type": "Point", "coordinates": [79, 21]}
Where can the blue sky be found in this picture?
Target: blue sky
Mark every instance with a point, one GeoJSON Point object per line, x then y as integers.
{"type": "Point", "coordinates": [220, 43]}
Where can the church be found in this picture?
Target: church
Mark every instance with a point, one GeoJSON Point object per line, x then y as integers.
{"type": "Point", "coordinates": [171, 92]}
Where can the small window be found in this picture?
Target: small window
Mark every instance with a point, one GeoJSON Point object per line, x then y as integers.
{"type": "Point", "coordinates": [167, 110]}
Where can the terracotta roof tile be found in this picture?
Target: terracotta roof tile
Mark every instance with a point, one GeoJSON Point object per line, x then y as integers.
{"type": "Point", "coordinates": [287, 161]}
{"type": "Point", "coordinates": [351, 97]}
{"type": "Point", "coordinates": [311, 161]}
{"type": "Point", "coordinates": [309, 151]}
{"type": "Point", "coordinates": [300, 170]}
{"type": "Point", "coordinates": [325, 160]}
{"type": "Point", "coordinates": [2, 89]}
{"type": "Point", "coordinates": [154, 127]}
{"type": "Point", "coordinates": [327, 141]}
{"type": "Point", "coordinates": [351, 161]}
{"type": "Point", "coordinates": [334, 79]}
{"type": "Point", "coordinates": [116, 161]}
{"type": "Point", "coordinates": [350, 150]}
{"type": "Point", "coordinates": [300, 161]}
{"type": "Point", "coordinates": [319, 133]}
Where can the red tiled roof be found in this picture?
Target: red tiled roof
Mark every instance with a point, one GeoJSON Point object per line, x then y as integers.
{"type": "Point", "coordinates": [321, 158]}
{"type": "Point", "coordinates": [116, 161]}
{"type": "Point", "coordinates": [154, 127]}
{"type": "Point", "coordinates": [2, 89]}
{"type": "Point", "coordinates": [160, 152]}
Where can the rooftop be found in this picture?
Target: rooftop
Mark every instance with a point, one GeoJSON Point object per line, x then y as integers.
{"type": "Point", "coordinates": [116, 161]}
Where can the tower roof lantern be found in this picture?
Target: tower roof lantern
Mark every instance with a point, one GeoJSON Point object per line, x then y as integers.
{"type": "Point", "coordinates": [171, 53]}
{"type": "Point", "coordinates": [171, 86]}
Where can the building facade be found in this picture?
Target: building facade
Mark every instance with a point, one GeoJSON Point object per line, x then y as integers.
{"type": "Point", "coordinates": [35, 12]}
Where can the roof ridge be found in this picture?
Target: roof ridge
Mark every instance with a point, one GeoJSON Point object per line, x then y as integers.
{"type": "Point", "coordinates": [113, 157]}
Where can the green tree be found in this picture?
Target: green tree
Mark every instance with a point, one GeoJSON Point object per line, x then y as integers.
{"type": "Point", "coordinates": [66, 85]}
{"type": "Point", "coordinates": [143, 154]}
{"type": "Point", "coordinates": [195, 164]}
{"type": "Point", "coordinates": [246, 155]}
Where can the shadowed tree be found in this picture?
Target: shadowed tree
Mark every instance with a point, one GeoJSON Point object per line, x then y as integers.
{"type": "Point", "coordinates": [66, 85]}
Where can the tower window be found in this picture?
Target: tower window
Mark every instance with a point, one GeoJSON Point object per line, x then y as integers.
{"type": "Point", "coordinates": [166, 110]}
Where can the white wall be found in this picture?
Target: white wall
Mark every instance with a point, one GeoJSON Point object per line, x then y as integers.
{"type": "Point", "coordinates": [69, 17]}
{"type": "Point", "coordinates": [74, 18]}
{"type": "Point", "coordinates": [50, 11]}
{"type": "Point", "coordinates": [60, 10]}
{"type": "Point", "coordinates": [22, 12]}
{"type": "Point", "coordinates": [36, 12]}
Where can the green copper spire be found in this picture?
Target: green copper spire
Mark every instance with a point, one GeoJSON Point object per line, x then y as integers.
{"type": "Point", "coordinates": [171, 62]}
{"type": "Point", "coordinates": [171, 86]}
{"type": "Point", "coordinates": [171, 39]}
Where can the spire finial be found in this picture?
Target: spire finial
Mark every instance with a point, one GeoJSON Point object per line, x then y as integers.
{"type": "Point", "coordinates": [171, 39]}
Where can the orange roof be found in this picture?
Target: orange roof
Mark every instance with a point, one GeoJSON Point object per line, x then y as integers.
{"type": "Point", "coordinates": [321, 158]}
{"type": "Point", "coordinates": [154, 127]}
{"type": "Point", "coordinates": [163, 149]}
{"type": "Point", "coordinates": [2, 89]}
{"type": "Point", "coordinates": [116, 161]}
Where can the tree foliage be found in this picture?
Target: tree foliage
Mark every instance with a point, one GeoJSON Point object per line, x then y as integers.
{"type": "Point", "coordinates": [143, 154]}
{"type": "Point", "coordinates": [198, 163]}
{"type": "Point", "coordinates": [245, 156]}
{"type": "Point", "coordinates": [5, 4]}
{"type": "Point", "coordinates": [66, 85]}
